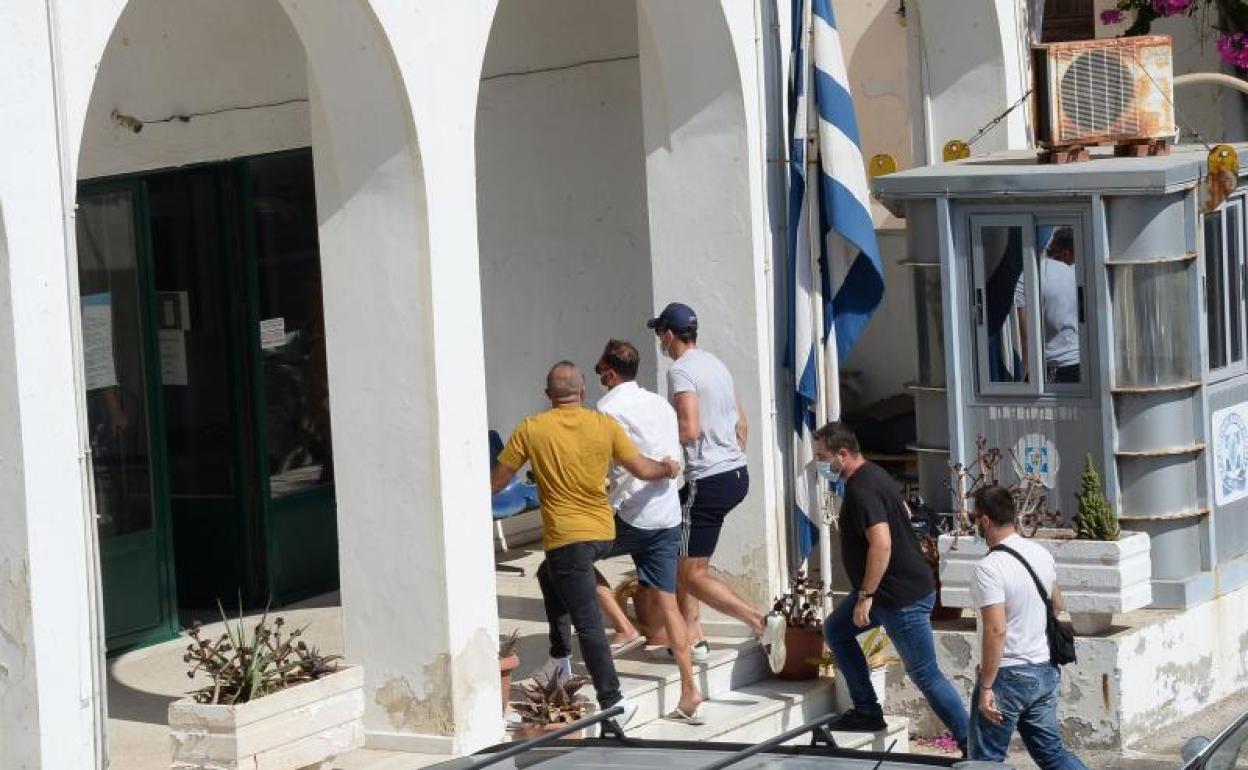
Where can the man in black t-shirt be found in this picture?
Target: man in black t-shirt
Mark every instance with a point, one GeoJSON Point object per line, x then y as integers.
{"type": "Point", "coordinates": [892, 588]}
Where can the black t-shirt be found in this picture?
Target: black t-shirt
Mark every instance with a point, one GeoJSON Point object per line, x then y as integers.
{"type": "Point", "coordinates": [871, 497]}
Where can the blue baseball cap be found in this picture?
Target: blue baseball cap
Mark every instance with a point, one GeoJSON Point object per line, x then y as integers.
{"type": "Point", "coordinates": [677, 316]}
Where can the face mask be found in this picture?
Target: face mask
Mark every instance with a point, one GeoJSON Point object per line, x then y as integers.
{"type": "Point", "coordinates": [827, 472]}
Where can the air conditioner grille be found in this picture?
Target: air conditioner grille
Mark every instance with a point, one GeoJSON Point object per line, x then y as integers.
{"type": "Point", "coordinates": [1097, 93]}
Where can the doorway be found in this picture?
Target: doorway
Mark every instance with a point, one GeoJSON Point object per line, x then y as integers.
{"type": "Point", "coordinates": [207, 391]}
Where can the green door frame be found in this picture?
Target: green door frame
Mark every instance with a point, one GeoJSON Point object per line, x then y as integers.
{"type": "Point", "coordinates": [160, 537]}
{"type": "Point", "coordinates": [272, 571]}
{"type": "Point", "coordinates": [277, 515]}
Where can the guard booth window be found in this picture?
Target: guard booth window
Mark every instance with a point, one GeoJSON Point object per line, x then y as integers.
{"type": "Point", "coordinates": [1224, 287]}
{"type": "Point", "coordinates": [1029, 310]}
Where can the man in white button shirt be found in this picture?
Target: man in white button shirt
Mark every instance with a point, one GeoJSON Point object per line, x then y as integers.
{"type": "Point", "coordinates": [648, 523]}
{"type": "Point", "coordinates": [1017, 685]}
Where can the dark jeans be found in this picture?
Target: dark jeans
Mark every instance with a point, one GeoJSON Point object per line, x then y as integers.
{"type": "Point", "coordinates": [1027, 699]}
{"type": "Point", "coordinates": [909, 628]}
{"type": "Point", "coordinates": [569, 592]}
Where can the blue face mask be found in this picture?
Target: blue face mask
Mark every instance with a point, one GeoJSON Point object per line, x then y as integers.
{"type": "Point", "coordinates": [827, 472]}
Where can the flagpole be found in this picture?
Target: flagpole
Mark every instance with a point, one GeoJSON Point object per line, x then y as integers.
{"type": "Point", "coordinates": [814, 220]}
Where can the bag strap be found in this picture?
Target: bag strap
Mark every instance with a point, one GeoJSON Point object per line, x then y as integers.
{"type": "Point", "coordinates": [1048, 604]}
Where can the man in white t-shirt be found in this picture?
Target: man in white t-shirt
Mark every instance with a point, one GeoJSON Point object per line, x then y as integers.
{"type": "Point", "coordinates": [1017, 685]}
{"type": "Point", "coordinates": [713, 432]}
{"type": "Point", "coordinates": [647, 514]}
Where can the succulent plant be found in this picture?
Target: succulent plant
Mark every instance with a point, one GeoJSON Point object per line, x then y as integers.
{"type": "Point", "coordinates": [243, 666]}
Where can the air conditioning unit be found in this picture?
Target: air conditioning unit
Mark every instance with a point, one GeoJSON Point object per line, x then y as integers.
{"type": "Point", "coordinates": [1116, 90]}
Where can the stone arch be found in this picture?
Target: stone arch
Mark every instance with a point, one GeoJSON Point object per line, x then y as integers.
{"type": "Point", "coordinates": [377, 279]}
{"type": "Point", "coordinates": [677, 222]}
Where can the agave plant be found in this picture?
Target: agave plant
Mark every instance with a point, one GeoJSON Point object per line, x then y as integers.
{"type": "Point", "coordinates": [507, 644]}
{"type": "Point", "coordinates": [242, 666]}
{"type": "Point", "coordinates": [552, 701]}
{"type": "Point", "coordinates": [875, 646]}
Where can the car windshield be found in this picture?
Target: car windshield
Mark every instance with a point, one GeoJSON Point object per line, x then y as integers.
{"type": "Point", "coordinates": [1230, 753]}
{"type": "Point", "coordinates": [688, 757]}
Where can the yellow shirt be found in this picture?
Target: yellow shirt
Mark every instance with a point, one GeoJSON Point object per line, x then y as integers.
{"type": "Point", "coordinates": [571, 449]}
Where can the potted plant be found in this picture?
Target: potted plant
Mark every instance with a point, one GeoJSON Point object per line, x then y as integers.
{"type": "Point", "coordinates": [270, 700]}
{"type": "Point", "coordinates": [879, 654]}
{"type": "Point", "coordinates": [1100, 570]}
{"type": "Point", "coordinates": [803, 636]}
{"type": "Point", "coordinates": [507, 663]}
{"type": "Point", "coordinates": [926, 524]}
{"type": "Point", "coordinates": [548, 704]}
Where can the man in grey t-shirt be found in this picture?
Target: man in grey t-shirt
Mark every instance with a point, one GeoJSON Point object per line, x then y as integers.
{"type": "Point", "coordinates": [713, 433]}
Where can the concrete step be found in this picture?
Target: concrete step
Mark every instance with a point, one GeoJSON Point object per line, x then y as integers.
{"type": "Point", "coordinates": [652, 681]}
{"type": "Point", "coordinates": [756, 712]}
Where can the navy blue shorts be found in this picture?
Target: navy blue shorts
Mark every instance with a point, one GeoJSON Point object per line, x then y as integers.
{"type": "Point", "coordinates": [706, 502]}
{"type": "Point", "coordinates": [654, 553]}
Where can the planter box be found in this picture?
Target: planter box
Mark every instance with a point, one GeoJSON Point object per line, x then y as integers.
{"type": "Point", "coordinates": [879, 681]}
{"type": "Point", "coordinates": [294, 728]}
{"type": "Point", "coordinates": [1098, 579]}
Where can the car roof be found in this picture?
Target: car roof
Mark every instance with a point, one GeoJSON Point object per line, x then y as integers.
{"type": "Point", "coordinates": [611, 754]}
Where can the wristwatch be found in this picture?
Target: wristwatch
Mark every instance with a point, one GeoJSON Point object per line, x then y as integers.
{"type": "Point", "coordinates": [866, 594]}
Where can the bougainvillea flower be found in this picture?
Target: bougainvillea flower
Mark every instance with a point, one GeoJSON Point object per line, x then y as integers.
{"type": "Point", "coordinates": [1112, 16]}
{"type": "Point", "coordinates": [1234, 49]}
{"type": "Point", "coordinates": [1171, 7]}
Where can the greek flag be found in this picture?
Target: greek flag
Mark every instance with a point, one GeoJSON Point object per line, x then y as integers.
{"type": "Point", "coordinates": [829, 210]}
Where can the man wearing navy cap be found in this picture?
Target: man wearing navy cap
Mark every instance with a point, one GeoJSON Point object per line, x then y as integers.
{"type": "Point", "coordinates": [713, 432]}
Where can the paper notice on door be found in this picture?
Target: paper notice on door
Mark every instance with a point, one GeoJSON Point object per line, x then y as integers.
{"type": "Point", "coordinates": [99, 368]}
{"type": "Point", "coordinates": [172, 357]}
{"type": "Point", "coordinates": [272, 333]}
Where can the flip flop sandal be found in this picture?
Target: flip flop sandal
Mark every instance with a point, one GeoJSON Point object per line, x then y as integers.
{"type": "Point", "coordinates": [678, 715]}
{"type": "Point", "coordinates": [623, 647]}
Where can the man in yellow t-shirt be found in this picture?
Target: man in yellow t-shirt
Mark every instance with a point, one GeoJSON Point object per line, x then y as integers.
{"type": "Point", "coordinates": [571, 449]}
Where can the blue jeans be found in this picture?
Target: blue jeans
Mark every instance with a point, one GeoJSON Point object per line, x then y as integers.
{"type": "Point", "coordinates": [1027, 698]}
{"type": "Point", "coordinates": [909, 628]}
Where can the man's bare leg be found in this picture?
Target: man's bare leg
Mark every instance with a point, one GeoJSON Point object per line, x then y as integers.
{"type": "Point", "coordinates": [674, 622]}
{"type": "Point", "coordinates": [697, 581]}
{"type": "Point", "coordinates": [614, 616]}
{"type": "Point", "coordinates": [650, 616]}
{"type": "Point", "coordinates": [688, 604]}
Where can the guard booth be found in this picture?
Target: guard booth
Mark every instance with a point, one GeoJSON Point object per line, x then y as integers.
{"type": "Point", "coordinates": [206, 391]}
{"type": "Point", "coordinates": [1089, 308]}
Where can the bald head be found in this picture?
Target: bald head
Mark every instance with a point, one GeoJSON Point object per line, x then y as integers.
{"type": "Point", "coordinates": [565, 384]}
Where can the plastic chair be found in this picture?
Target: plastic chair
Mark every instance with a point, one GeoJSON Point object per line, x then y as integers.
{"type": "Point", "coordinates": [512, 500]}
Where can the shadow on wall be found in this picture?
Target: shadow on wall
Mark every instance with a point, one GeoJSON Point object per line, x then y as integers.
{"type": "Point", "coordinates": [879, 78]}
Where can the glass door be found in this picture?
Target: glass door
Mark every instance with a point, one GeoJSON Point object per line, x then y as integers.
{"type": "Point", "coordinates": [124, 416]}
{"type": "Point", "coordinates": [294, 447]}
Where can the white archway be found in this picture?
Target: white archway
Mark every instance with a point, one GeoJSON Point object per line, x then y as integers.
{"type": "Point", "coordinates": [423, 651]}
{"type": "Point", "coordinates": [618, 170]}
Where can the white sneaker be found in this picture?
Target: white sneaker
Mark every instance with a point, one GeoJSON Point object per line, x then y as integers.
{"type": "Point", "coordinates": [773, 641]}
{"type": "Point", "coordinates": [701, 652]}
{"type": "Point", "coordinates": [561, 667]}
{"type": "Point", "coordinates": [630, 711]}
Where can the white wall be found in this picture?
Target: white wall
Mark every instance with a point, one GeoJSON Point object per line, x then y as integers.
{"type": "Point", "coordinates": [705, 182]}
{"type": "Point", "coordinates": [562, 225]}
{"type": "Point", "coordinates": [170, 57]}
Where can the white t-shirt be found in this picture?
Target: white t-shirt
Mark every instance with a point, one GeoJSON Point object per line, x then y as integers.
{"type": "Point", "coordinates": [1000, 579]}
{"type": "Point", "coordinates": [651, 423]}
{"type": "Point", "coordinates": [717, 450]}
{"type": "Point", "coordinates": [1059, 299]}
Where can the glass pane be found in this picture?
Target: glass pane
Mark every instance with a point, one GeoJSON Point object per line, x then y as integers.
{"type": "Point", "coordinates": [928, 305]}
{"type": "Point", "coordinates": [1234, 294]}
{"type": "Point", "coordinates": [1152, 324]}
{"type": "Point", "coordinates": [191, 322]}
{"type": "Point", "coordinates": [292, 329]}
{"type": "Point", "coordinates": [1005, 303]}
{"type": "Point", "coordinates": [1057, 268]}
{"type": "Point", "coordinates": [1215, 291]}
{"type": "Point", "coordinates": [113, 363]}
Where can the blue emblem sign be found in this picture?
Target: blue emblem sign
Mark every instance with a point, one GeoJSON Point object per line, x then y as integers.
{"type": "Point", "coordinates": [1230, 454]}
